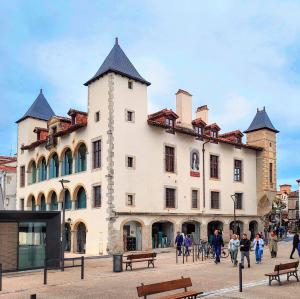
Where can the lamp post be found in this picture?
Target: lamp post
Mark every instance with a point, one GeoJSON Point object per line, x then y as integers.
{"type": "Point", "coordinates": [234, 217]}
{"type": "Point", "coordinates": [62, 181]}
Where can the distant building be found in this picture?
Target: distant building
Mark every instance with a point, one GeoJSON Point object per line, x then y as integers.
{"type": "Point", "coordinates": [8, 182]}
{"type": "Point", "coordinates": [138, 178]}
{"type": "Point", "coordinates": [291, 200]}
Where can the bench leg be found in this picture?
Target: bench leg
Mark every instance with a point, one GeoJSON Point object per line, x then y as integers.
{"type": "Point", "coordinates": [279, 280]}
{"type": "Point", "coordinates": [270, 280]}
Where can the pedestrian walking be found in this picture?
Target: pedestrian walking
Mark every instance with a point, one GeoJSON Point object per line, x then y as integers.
{"type": "Point", "coordinates": [217, 243]}
{"type": "Point", "coordinates": [234, 244]}
{"type": "Point", "coordinates": [179, 242]}
{"type": "Point", "coordinates": [187, 244]}
{"type": "Point", "coordinates": [245, 248]}
{"type": "Point", "coordinates": [295, 244]}
{"type": "Point", "coordinates": [258, 244]}
{"type": "Point", "coordinates": [273, 244]}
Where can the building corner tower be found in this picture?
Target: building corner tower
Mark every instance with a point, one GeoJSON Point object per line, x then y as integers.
{"type": "Point", "coordinates": [262, 133]}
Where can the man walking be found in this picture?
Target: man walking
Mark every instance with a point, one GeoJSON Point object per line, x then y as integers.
{"type": "Point", "coordinates": [179, 242]}
{"type": "Point", "coordinates": [295, 244]}
{"type": "Point", "coordinates": [244, 249]}
{"type": "Point", "coordinates": [217, 243]}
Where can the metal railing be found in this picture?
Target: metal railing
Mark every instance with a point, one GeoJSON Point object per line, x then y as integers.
{"type": "Point", "coordinates": [57, 266]}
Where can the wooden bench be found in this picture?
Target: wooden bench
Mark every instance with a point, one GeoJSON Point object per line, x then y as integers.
{"type": "Point", "coordinates": [166, 286]}
{"type": "Point", "coordinates": [140, 257]}
{"type": "Point", "coordinates": [290, 269]}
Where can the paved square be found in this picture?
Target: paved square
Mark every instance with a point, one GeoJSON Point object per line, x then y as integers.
{"type": "Point", "coordinates": [217, 281]}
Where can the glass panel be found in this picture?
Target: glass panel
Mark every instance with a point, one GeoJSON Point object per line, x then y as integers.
{"type": "Point", "coordinates": [32, 244]}
{"type": "Point", "coordinates": [53, 203]}
{"type": "Point", "coordinates": [43, 203]}
{"type": "Point", "coordinates": [81, 199]}
{"type": "Point", "coordinates": [81, 158]}
{"type": "Point", "coordinates": [68, 203]}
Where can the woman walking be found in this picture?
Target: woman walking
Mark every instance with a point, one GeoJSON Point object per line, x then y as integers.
{"type": "Point", "coordinates": [258, 246]}
{"type": "Point", "coordinates": [273, 244]}
{"type": "Point", "coordinates": [187, 244]}
{"type": "Point", "coordinates": [234, 244]}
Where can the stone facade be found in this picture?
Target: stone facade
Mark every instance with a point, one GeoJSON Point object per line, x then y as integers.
{"type": "Point", "coordinates": [145, 218]}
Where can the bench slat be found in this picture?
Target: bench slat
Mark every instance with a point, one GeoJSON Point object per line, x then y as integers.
{"type": "Point", "coordinates": [141, 256]}
{"type": "Point", "coordinates": [165, 286]}
{"type": "Point", "coordinates": [286, 266]}
{"type": "Point", "coordinates": [181, 295]}
{"type": "Point", "coordinates": [136, 261]}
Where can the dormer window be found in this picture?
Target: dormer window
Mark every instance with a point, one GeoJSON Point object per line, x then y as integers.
{"type": "Point", "coordinates": [54, 130]}
{"type": "Point", "coordinates": [214, 133]}
{"type": "Point", "coordinates": [38, 135]}
{"type": "Point", "coordinates": [73, 120]}
{"type": "Point", "coordinates": [130, 84]}
{"type": "Point", "coordinates": [170, 122]}
{"type": "Point", "coordinates": [239, 139]}
{"type": "Point", "coordinates": [199, 130]}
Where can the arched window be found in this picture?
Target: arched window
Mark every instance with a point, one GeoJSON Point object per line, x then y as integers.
{"type": "Point", "coordinates": [53, 202]}
{"type": "Point", "coordinates": [67, 163]}
{"type": "Point", "coordinates": [33, 206]}
{"type": "Point", "coordinates": [32, 173]}
{"type": "Point", "coordinates": [81, 199]}
{"type": "Point", "coordinates": [43, 203]}
{"type": "Point", "coordinates": [42, 170]}
{"type": "Point", "coordinates": [54, 167]}
{"type": "Point", "coordinates": [81, 158]}
{"type": "Point", "coordinates": [68, 202]}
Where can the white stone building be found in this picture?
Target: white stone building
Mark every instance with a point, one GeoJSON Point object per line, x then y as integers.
{"type": "Point", "coordinates": [136, 179]}
{"type": "Point", "coordinates": [8, 183]}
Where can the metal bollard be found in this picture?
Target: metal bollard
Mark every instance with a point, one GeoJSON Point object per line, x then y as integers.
{"type": "Point", "coordinates": [82, 267]}
{"type": "Point", "coordinates": [240, 277]}
{"type": "Point", "coordinates": [45, 274]}
{"type": "Point", "coordinates": [0, 277]}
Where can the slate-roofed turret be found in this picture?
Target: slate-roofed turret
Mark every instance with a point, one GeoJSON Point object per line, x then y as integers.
{"type": "Point", "coordinates": [40, 109]}
{"type": "Point", "coordinates": [118, 62]}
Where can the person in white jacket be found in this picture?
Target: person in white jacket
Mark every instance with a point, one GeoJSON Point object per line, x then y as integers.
{"type": "Point", "coordinates": [258, 246]}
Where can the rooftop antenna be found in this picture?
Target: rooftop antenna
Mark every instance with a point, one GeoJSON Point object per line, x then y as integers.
{"type": "Point", "coordinates": [116, 41]}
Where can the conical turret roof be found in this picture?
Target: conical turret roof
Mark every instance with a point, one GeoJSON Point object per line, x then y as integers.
{"type": "Point", "coordinates": [118, 62]}
{"type": "Point", "coordinates": [261, 121]}
{"type": "Point", "coordinates": [40, 109]}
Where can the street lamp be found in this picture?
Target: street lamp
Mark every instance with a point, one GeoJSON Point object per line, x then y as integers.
{"type": "Point", "coordinates": [63, 181]}
{"type": "Point", "coordinates": [233, 197]}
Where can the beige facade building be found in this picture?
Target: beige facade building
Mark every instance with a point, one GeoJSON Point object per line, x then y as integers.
{"type": "Point", "coordinates": [136, 179]}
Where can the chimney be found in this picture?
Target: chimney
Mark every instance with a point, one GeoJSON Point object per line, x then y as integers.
{"type": "Point", "coordinates": [285, 188]}
{"type": "Point", "coordinates": [184, 108]}
{"type": "Point", "coordinates": [202, 112]}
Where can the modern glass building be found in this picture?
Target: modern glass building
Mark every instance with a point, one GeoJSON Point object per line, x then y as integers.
{"type": "Point", "coordinates": [27, 238]}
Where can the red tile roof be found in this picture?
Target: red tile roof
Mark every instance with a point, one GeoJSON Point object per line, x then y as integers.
{"type": "Point", "coordinates": [8, 168]}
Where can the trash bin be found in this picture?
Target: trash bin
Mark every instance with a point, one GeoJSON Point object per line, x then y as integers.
{"type": "Point", "coordinates": [118, 262]}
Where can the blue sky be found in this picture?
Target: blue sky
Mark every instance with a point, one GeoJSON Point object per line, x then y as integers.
{"type": "Point", "coordinates": [233, 56]}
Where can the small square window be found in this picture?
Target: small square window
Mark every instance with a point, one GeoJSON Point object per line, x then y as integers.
{"type": "Point", "coordinates": [130, 200]}
{"type": "Point", "coordinates": [97, 116]}
{"type": "Point", "coordinates": [130, 116]}
{"type": "Point", "coordinates": [130, 162]}
{"type": "Point", "coordinates": [130, 84]}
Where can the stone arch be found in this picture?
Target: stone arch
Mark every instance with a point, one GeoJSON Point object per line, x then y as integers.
{"type": "Point", "coordinates": [137, 241]}
{"type": "Point", "coordinates": [192, 227]}
{"type": "Point", "coordinates": [41, 201]}
{"type": "Point", "coordinates": [31, 172]}
{"type": "Point", "coordinates": [162, 232]}
{"type": "Point", "coordinates": [240, 227]}
{"type": "Point", "coordinates": [78, 236]}
{"type": "Point", "coordinates": [61, 192]}
{"type": "Point", "coordinates": [81, 141]}
{"type": "Point", "coordinates": [39, 159]}
{"type": "Point", "coordinates": [62, 152]}
{"type": "Point", "coordinates": [75, 191]}
{"type": "Point", "coordinates": [38, 199]}
{"type": "Point", "coordinates": [30, 200]}
{"type": "Point", "coordinates": [212, 225]}
{"type": "Point", "coordinates": [48, 198]}
{"type": "Point", "coordinates": [52, 152]}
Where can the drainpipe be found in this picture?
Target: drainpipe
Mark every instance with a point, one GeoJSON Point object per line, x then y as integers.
{"type": "Point", "coordinates": [203, 170]}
